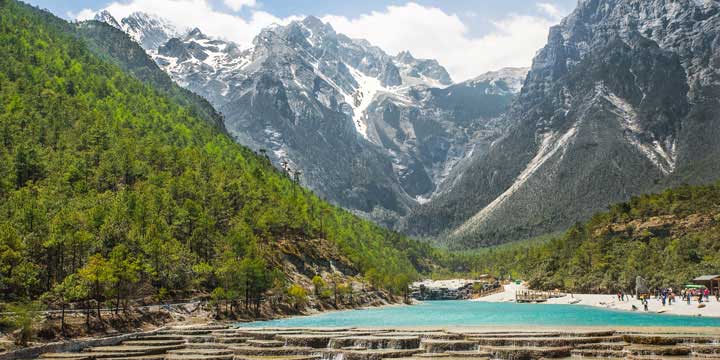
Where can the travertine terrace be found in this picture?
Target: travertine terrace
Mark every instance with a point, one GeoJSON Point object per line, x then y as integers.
{"type": "Point", "coordinates": [218, 342]}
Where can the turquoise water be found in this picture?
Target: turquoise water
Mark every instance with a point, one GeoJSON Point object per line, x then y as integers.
{"type": "Point", "coordinates": [470, 313]}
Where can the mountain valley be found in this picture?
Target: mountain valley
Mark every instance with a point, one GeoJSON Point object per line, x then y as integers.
{"type": "Point", "coordinates": [613, 106]}
{"type": "Point", "coordinates": [374, 133]}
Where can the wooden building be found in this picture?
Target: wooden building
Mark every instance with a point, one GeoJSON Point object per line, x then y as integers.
{"type": "Point", "coordinates": [711, 282]}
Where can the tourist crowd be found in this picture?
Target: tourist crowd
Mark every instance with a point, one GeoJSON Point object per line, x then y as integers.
{"type": "Point", "coordinates": [667, 296]}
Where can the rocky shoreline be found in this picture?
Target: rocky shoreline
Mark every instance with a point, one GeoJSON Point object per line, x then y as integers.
{"type": "Point", "coordinates": [144, 319]}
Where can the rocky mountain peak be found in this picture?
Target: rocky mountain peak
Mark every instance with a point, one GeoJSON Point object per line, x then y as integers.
{"type": "Point", "coordinates": [316, 25]}
{"type": "Point", "coordinates": [106, 17]}
{"type": "Point", "coordinates": [196, 33]}
{"type": "Point", "coordinates": [148, 30]}
{"type": "Point", "coordinates": [504, 81]}
{"type": "Point", "coordinates": [405, 57]}
{"type": "Point", "coordinates": [664, 22]}
{"type": "Point", "coordinates": [428, 71]}
{"type": "Point", "coordinates": [616, 104]}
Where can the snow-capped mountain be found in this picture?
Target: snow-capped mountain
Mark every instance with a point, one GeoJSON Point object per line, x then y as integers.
{"type": "Point", "coordinates": [106, 17]}
{"type": "Point", "coordinates": [210, 68]}
{"type": "Point", "coordinates": [421, 71]}
{"type": "Point", "coordinates": [373, 132]}
{"type": "Point", "coordinates": [622, 100]}
{"type": "Point", "coordinates": [147, 30]}
{"type": "Point", "coordinates": [354, 70]}
{"type": "Point", "coordinates": [502, 82]}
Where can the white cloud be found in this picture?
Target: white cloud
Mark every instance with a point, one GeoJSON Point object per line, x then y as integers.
{"type": "Point", "coordinates": [236, 5]}
{"type": "Point", "coordinates": [429, 32]}
{"type": "Point", "coordinates": [84, 14]}
{"type": "Point", "coordinates": [197, 13]}
{"type": "Point", "coordinates": [550, 9]}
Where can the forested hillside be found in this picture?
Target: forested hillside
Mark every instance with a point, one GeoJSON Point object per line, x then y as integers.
{"type": "Point", "coordinates": [111, 187]}
{"type": "Point", "coordinates": [116, 47]}
{"type": "Point", "coordinates": [666, 238]}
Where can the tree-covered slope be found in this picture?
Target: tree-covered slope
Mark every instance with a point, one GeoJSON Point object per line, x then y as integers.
{"type": "Point", "coordinates": [115, 46]}
{"type": "Point", "coordinates": [105, 177]}
{"type": "Point", "coordinates": [667, 238]}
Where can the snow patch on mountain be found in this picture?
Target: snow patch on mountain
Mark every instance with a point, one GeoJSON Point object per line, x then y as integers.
{"type": "Point", "coordinates": [663, 156]}
{"type": "Point", "coordinates": [550, 144]}
{"type": "Point", "coordinates": [368, 88]}
{"type": "Point", "coordinates": [503, 81]}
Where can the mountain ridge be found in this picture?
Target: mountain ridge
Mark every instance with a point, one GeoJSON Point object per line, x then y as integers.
{"type": "Point", "coordinates": [617, 103]}
{"type": "Point", "coordinates": [612, 107]}
{"type": "Point", "coordinates": [372, 132]}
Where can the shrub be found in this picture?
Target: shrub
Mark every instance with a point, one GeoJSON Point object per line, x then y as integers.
{"type": "Point", "coordinates": [23, 319]}
{"type": "Point", "coordinates": [297, 295]}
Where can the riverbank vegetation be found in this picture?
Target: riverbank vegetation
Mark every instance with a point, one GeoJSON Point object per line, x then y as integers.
{"type": "Point", "coordinates": [666, 238]}
{"type": "Point", "coordinates": [111, 190]}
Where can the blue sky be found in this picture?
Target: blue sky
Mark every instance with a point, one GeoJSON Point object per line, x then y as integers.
{"type": "Point", "coordinates": [467, 36]}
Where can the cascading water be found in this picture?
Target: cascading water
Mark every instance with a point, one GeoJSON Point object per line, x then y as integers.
{"type": "Point", "coordinates": [332, 356]}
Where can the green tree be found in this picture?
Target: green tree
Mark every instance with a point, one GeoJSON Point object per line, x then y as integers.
{"type": "Point", "coordinates": [318, 284]}
{"type": "Point", "coordinates": [97, 275]}
{"type": "Point", "coordinates": [125, 270]}
{"type": "Point", "coordinates": [217, 297]}
{"type": "Point", "coordinates": [336, 280]}
{"type": "Point", "coordinates": [71, 289]}
{"type": "Point", "coordinates": [255, 279]}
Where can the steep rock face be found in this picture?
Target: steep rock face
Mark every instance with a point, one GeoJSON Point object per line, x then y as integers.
{"type": "Point", "coordinates": [621, 101]}
{"type": "Point", "coordinates": [430, 130]}
{"type": "Point", "coordinates": [372, 132]}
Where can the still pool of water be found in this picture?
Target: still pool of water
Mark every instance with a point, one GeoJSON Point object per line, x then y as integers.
{"type": "Point", "coordinates": [470, 313]}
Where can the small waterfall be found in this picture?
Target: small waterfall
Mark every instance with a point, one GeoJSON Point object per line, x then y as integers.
{"type": "Point", "coordinates": [333, 356]}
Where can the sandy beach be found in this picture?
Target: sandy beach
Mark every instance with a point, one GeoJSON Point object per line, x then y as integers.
{"type": "Point", "coordinates": [712, 308]}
